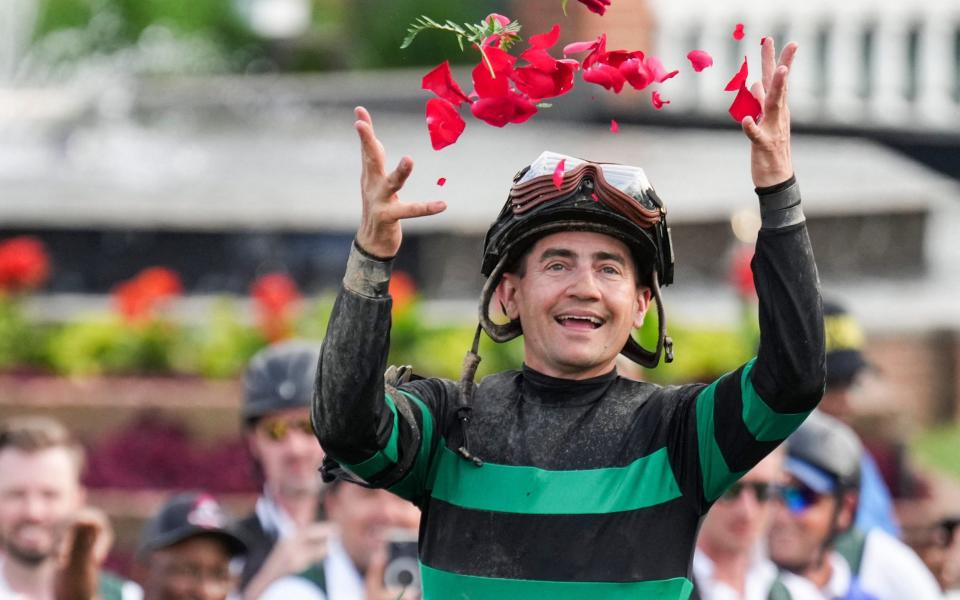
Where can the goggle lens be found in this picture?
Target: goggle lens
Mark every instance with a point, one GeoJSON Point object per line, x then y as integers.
{"type": "Point", "coordinates": [278, 429]}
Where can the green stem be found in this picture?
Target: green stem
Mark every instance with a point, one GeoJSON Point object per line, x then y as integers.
{"type": "Point", "coordinates": [493, 73]}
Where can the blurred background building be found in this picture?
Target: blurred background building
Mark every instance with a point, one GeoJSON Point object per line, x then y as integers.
{"type": "Point", "coordinates": [214, 138]}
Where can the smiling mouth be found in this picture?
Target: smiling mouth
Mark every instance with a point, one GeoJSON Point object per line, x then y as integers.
{"type": "Point", "coordinates": [580, 322]}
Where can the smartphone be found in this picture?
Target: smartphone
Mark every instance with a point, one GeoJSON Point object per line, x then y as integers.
{"type": "Point", "coordinates": [403, 568]}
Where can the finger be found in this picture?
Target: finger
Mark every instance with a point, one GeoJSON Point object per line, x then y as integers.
{"type": "Point", "coordinates": [789, 51]}
{"type": "Point", "coordinates": [370, 148]}
{"type": "Point", "coordinates": [752, 130]}
{"type": "Point", "coordinates": [778, 90]}
{"type": "Point", "coordinates": [363, 114]}
{"type": "Point", "coordinates": [767, 64]}
{"type": "Point", "coordinates": [399, 176]}
{"type": "Point", "coordinates": [758, 92]}
{"type": "Point", "coordinates": [412, 210]}
{"type": "Point", "coordinates": [373, 582]}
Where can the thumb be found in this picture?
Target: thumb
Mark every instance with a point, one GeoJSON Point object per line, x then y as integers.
{"type": "Point", "coordinates": [752, 130]}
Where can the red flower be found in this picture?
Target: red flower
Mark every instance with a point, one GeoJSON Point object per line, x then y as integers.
{"type": "Point", "coordinates": [440, 81]}
{"type": "Point", "coordinates": [741, 274]}
{"type": "Point", "coordinates": [137, 298]}
{"type": "Point", "coordinates": [657, 101]}
{"type": "Point", "coordinates": [745, 105]}
{"type": "Point", "coordinates": [699, 59]}
{"type": "Point", "coordinates": [739, 79]}
{"type": "Point", "coordinates": [444, 123]}
{"type": "Point", "coordinates": [558, 173]}
{"type": "Point", "coordinates": [596, 6]}
{"type": "Point", "coordinates": [614, 126]}
{"type": "Point", "coordinates": [498, 111]}
{"type": "Point", "coordinates": [274, 295]}
{"type": "Point", "coordinates": [738, 32]}
{"type": "Point", "coordinates": [402, 290]}
{"type": "Point", "coordinates": [24, 264]}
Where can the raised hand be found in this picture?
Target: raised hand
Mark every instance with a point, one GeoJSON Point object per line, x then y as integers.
{"type": "Point", "coordinates": [379, 232]}
{"type": "Point", "coordinates": [770, 161]}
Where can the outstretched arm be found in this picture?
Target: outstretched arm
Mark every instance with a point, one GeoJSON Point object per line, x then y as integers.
{"type": "Point", "coordinates": [366, 430]}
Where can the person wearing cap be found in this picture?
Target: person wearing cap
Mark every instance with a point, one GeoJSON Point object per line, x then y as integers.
{"type": "Point", "coordinates": [564, 480]}
{"type": "Point", "coordinates": [51, 544]}
{"type": "Point", "coordinates": [284, 532]}
{"type": "Point", "coordinates": [730, 562]}
{"type": "Point", "coordinates": [813, 537]}
{"type": "Point", "coordinates": [846, 366]}
{"type": "Point", "coordinates": [185, 551]}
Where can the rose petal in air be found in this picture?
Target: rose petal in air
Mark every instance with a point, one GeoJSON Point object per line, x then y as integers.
{"type": "Point", "coordinates": [498, 111]}
{"type": "Point", "coordinates": [596, 6]}
{"type": "Point", "coordinates": [545, 40]}
{"type": "Point", "coordinates": [606, 76]}
{"type": "Point", "coordinates": [442, 181]}
{"type": "Point", "coordinates": [656, 70]}
{"type": "Point", "coordinates": [440, 81]}
{"type": "Point", "coordinates": [745, 105]}
{"type": "Point", "coordinates": [739, 79]}
{"type": "Point", "coordinates": [558, 173]}
{"type": "Point", "coordinates": [636, 73]}
{"type": "Point", "coordinates": [444, 123]}
{"type": "Point", "coordinates": [539, 84]}
{"type": "Point", "coordinates": [699, 59]}
{"type": "Point", "coordinates": [597, 48]}
{"type": "Point", "coordinates": [738, 32]}
{"type": "Point", "coordinates": [657, 101]}
{"type": "Point", "coordinates": [487, 85]}
{"type": "Point", "coordinates": [614, 126]}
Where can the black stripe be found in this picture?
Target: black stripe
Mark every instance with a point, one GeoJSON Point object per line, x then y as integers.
{"type": "Point", "coordinates": [651, 543]}
{"type": "Point", "coordinates": [739, 448]}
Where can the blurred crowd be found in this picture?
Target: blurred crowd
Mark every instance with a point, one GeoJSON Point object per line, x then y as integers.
{"type": "Point", "coordinates": [813, 520]}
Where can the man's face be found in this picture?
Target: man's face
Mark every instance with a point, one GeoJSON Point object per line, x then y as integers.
{"type": "Point", "coordinates": [578, 301]}
{"type": "Point", "coordinates": [799, 533]}
{"type": "Point", "coordinates": [197, 568]}
{"type": "Point", "coordinates": [288, 452]}
{"type": "Point", "coordinates": [39, 494]}
{"type": "Point", "coordinates": [365, 516]}
{"type": "Point", "coordinates": [741, 516]}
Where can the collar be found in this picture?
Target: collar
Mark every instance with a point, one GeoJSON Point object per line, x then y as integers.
{"type": "Point", "coordinates": [343, 578]}
{"type": "Point", "coordinates": [840, 577]}
{"type": "Point", "coordinates": [544, 389]}
{"type": "Point", "coordinates": [761, 573]}
{"type": "Point", "coordinates": [273, 518]}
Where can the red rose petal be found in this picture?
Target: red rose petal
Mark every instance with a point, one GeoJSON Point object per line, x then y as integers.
{"type": "Point", "coordinates": [444, 123]}
{"type": "Point", "coordinates": [597, 47]}
{"type": "Point", "coordinates": [539, 84]}
{"type": "Point", "coordinates": [656, 70]}
{"type": "Point", "coordinates": [738, 32]}
{"type": "Point", "coordinates": [498, 111]}
{"type": "Point", "coordinates": [657, 101]}
{"type": "Point", "coordinates": [606, 76]}
{"type": "Point", "coordinates": [699, 59]}
{"type": "Point", "coordinates": [738, 80]}
{"type": "Point", "coordinates": [762, 40]}
{"type": "Point", "coordinates": [614, 126]}
{"type": "Point", "coordinates": [558, 173]}
{"type": "Point", "coordinates": [745, 105]}
{"type": "Point", "coordinates": [596, 6]}
{"type": "Point", "coordinates": [636, 73]}
{"type": "Point", "coordinates": [441, 181]}
{"type": "Point", "coordinates": [440, 81]}
{"type": "Point", "coordinates": [595, 197]}
{"type": "Point", "coordinates": [487, 85]}
{"type": "Point", "coordinates": [545, 40]}
{"type": "Point", "coordinates": [502, 20]}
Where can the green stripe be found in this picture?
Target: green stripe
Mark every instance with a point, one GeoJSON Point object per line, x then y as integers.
{"type": "Point", "coordinates": [382, 459]}
{"type": "Point", "coordinates": [764, 423]}
{"type": "Point", "coordinates": [716, 474]}
{"type": "Point", "coordinates": [529, 490]}
{"type": "Point", "coordinates": [443, 585]}
{"type": "Point", "coordinates": [414, 482]}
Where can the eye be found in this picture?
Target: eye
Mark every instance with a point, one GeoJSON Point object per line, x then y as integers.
{"type": "Point", "coordinates": [556, 267]}
{"type": "Point", "coordinates": [610, 270]}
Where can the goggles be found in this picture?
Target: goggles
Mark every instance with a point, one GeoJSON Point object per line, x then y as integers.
{"type": "Point", "coordinates": [278, 429]}
{"type": "Point", "coordinates": [622, 188]}
{"type": "Point", "coordinates": [798, 497]}
{"type": "Point", "coordinates": [762, 490]}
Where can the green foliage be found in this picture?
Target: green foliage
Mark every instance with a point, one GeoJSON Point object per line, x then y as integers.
{"type": "Point", "coordinates": [469, 33]}
{"type": "Point", "coordinates": [108, 345]}
{"type": "Point", "coordinates": [222, 348]}
{"type": "Point", "coordinates": [937, 448]}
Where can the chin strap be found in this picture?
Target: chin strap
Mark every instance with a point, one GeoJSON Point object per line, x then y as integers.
{"type": "Point", "coordinates": [467, 387]}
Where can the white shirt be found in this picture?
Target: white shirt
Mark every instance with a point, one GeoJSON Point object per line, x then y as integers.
{"type": "Point", "coordinates": [273, 518]}
{"type": "Point", "coordinates": [760, 576]}
{"type": "Point", "coordinates": [343, 580]}
{"type": "Point", "coordinates": [889, 570]}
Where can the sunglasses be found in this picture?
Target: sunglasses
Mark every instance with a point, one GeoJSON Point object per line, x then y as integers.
{"type": "Point", "coordinates": [278, 429]}
{"type": "Point", "coordinates": [798, 498]}
{"type": "Point", "coordinates": [762, 490]}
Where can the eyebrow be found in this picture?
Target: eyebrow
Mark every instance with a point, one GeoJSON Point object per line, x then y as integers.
{"type": "Point", "coordinates": [597, 256]}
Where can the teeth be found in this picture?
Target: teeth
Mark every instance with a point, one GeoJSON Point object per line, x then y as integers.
{"type": "Point", "coordinates": [593, 320]}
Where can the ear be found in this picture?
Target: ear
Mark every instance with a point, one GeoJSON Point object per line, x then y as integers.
{"type": "Point", "coordinates": [642, 305]}
{"type": "Point", "coordinates": [251, 439]}
{"type": "Point", "coordinates": [506, 295]}
{"type": "Point", "coordinates": [847, 511]}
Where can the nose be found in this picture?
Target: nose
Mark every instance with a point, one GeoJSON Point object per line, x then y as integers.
{"type": "Point", "coordinates": [584, 285]}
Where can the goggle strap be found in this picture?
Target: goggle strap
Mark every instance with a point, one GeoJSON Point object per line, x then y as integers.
{"type": "Point", "coordinates": [640, 355]}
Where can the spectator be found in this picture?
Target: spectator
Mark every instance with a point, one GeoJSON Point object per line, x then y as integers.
{"type": "Point", "coordinates": [845, 369]}
{"type": "Point", "coordinates": [278, 389]}
{"type": "Point", "coordinates": [43, 519]}
{"type": "Point", "coordinates": [185, 551]}
{"type": "Point", "coordinates": [354, 566]}
{"type": "Point", "coordinates": [813, 535]}
{"type": "Point", "coordinates": [730, 562]}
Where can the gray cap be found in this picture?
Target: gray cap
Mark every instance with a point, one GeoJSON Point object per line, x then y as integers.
{"type": "Point", "coordinates": [825, 454]}
{"type": "Point", "coordinates": [280, 377]}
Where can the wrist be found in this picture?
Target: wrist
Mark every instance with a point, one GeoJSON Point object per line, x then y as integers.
{"type": "Point", "coordinates": [367, 274]}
